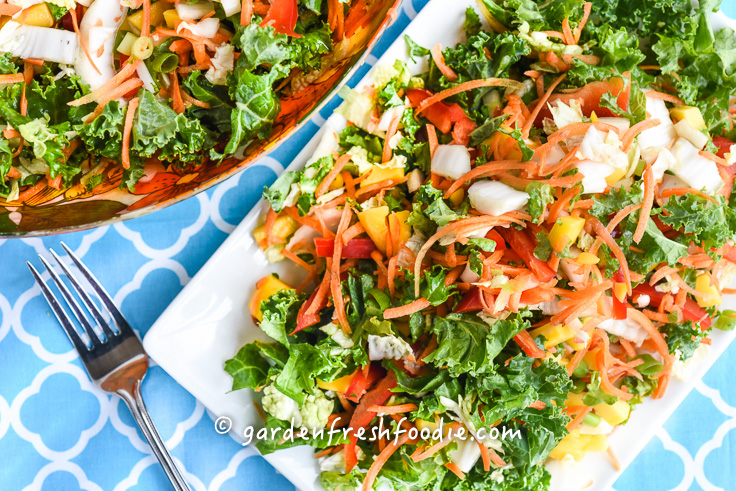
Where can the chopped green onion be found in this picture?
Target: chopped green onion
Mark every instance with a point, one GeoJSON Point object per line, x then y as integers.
{"type": "Point", "coordinates": [164, 62]}
{"type": "Point", "coordinates": [142, 48]}
{"type": "Point", "coordinates": [591, 419]}
{"type": "Point", "coordinates": [581, 370]}
{"type": "Point", "coordinates": [126, 44]}
{"type": "Point", "coordinates": [380, 296]}
{"type": "Point", "coordinates": [650, 366]}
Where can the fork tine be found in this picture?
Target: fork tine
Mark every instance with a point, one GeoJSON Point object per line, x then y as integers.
{"type": "Point", "coordinates": [63, 318]}
{"type": "Point", "coordinates": [91, 307]}
{"type": "Point", "coordinates": [72, 302]}
{"type": "Point", "coordinates": [101, 292]}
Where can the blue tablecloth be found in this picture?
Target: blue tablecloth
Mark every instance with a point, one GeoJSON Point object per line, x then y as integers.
{"type": "Point", "coordinates": [57, 432]}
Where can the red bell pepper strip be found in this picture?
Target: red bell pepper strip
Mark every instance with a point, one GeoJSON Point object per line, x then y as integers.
{"type": "Point", "coordinates": [496, 237]}
{"type": "Point", "coordinates": [443, 115]}
{"type": "Point", "coordinates": [619, 305]}
{"type": "Point", "coordinates": [362, 417]}
{"type": "Point", "coordinates": [523, 244]}
{"type": "Point", "coordinates": [527, 344]}
{"type": "Point", "coordinates": [471, 302]}
{"type": "Point", "coordinates": [356, 248]}
{"type": "Point", "coordinates": [723, 144]}
{"type": "Point", "coordinates": [303, 320]}
{"type": "Point", "coordinates": [691, 311]}
{"type": "Point", "coordinates": [282, 15]}
{"type": "Point", "coordinates": [363, 381]}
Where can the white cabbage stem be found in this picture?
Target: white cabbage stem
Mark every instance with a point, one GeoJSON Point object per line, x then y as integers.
{"type": "Point", "coordinates": [98, 29]}
{"type": "Point", "coordinates": [42, 43]}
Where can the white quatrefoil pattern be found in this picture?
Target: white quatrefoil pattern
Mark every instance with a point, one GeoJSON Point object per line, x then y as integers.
{"type": "Point", "coordinates": [59, 433]}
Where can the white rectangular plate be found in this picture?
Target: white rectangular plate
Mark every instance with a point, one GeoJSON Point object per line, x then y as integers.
{"type": "Point", "coordinates": [209, 320]}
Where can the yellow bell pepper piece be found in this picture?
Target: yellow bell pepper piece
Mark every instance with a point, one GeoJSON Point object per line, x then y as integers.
{"type": "Point", "coordinates": [282, 229]}
{"type": "Point", "coordinates": [587, 258]}
{"type": "Point", "coordinates": [265, 288]}
{"type": "Point", "coordinates": [553, 335]}
{"type": "Point", "coordinates": [37, 15]}
{"type": "Point", "coordinates": [157, 15]}
{"type": "Point", "coordinates": [589, 357]}
{"type": "Point", "coordinates": [615, 177]}
{"type": "Point", "coordinates": [565, 231]}
{"type": "Point", "coordinates": [375, 224]}
{"type": "Point", "coordinates": [615, 413]}
{"type": "Point", "coordinates": [171, 18]}
{"type": "Point", "coordinates": [378, 174]}
{"type": "Point", "coordinates": [457, 197]}
{"type": "Point", "coordinates": [578, 444]}
{"type": "Point", "coordinates": [338, 385]}
{"type": "Point", "coordinates": [690, 114]}
{"type": "Point", "coordinates": [575, 399]}
{"type": "Point", "coordinates": [703, 285]}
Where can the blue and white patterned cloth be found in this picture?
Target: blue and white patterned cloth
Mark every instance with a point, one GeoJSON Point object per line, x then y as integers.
{"type": "Point", "coordinates": [59, 433]}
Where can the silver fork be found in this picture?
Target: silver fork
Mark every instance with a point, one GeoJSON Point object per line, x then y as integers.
{"type": "Point", "coordinates": [116, 362]}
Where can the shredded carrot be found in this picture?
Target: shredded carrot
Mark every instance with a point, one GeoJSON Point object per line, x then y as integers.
{"type": "Point", "coordinates": [684, 192]}
{"type": "Point", "coordinates": [191, 100]}
{"type": "Point", "coordinates": [334, 273]}
{"type": "Point", "coordinates": [665, 97]}
{"type": "Point", "coordinates": [11, 78]}
{"type": "Point", "coordinates": [392, 127]}
{"type": "Point", "coordinates": [576, 359]}
{"type": "Point", "coordinates": [487, 170]}
{"type": "Point", "coordinates": [82, 42]}
{"type": "Point", "coordinates": [632, 132]}
{"type": "Point", "coordinates": [408, 309]}
{"type": "Point", "coordinates": [27, 78]}
{"type": "Point", "coordinates": [485, 455]}
{"type": "Point", "coordinates": [352, 232]}
{"type": "Point", "coordinates": [711, 156]}
{"type": "Point", "coordinates": [177, 103]}
{"type": "Point", "coordinates": [330, 177]}
{"type": "Point", "coordinates": [439, 60]}
{"type": "Point", "coordinates": [117, 80]}
{"type": "Point", "coordinates": [621, 214]}
{"type": "Point", "coordinates": [391, 274]}
{"type": "Point", "coordinates": [586, 14]}
{"type": "Point", "coordinates": [431, 139]}
{"type": "Point", "coordinates": [628, 347]}
{"type": "Point", "coordinates": [654, 334]}
{"type": "Point", "coordinates": [463, 87]}
{"type": "Point", "coordinates": [146, 22]}
{"type": "Point", "coordinates": [398, 409]}
{"type": "Point", "coordinates": [608, 240]}
{"type": "Point", "coordinates": [320, 296]}
{"type": "Point", "coordinates": [246, 12]}
{"type": "Point", "coordinates": [578, 419]}
{"type": "Point", "coordinates": [192, 68]}
{"type": "Point", "coordinates": [555, 210]}
{"type": "Point", "coordinates": [646, 208]}
{"type": "Point", "coordinates": [381, 459]}
{"type": "Point", "coordinates": [437, 446]}
{"type": "Point", "coordinates": [296, 259]}
{"type": "Point", "coordinates": [567, 34]}
{"type": "Point", "coordinates": [127, 129]}
{"type": "Point", "coordinates": [455, 470]}
{"type": "Point", "coordinates": [540, 105]}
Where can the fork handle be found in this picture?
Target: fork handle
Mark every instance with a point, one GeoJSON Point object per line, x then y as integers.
{"type": "Point", "coordinates": [137, 407]}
